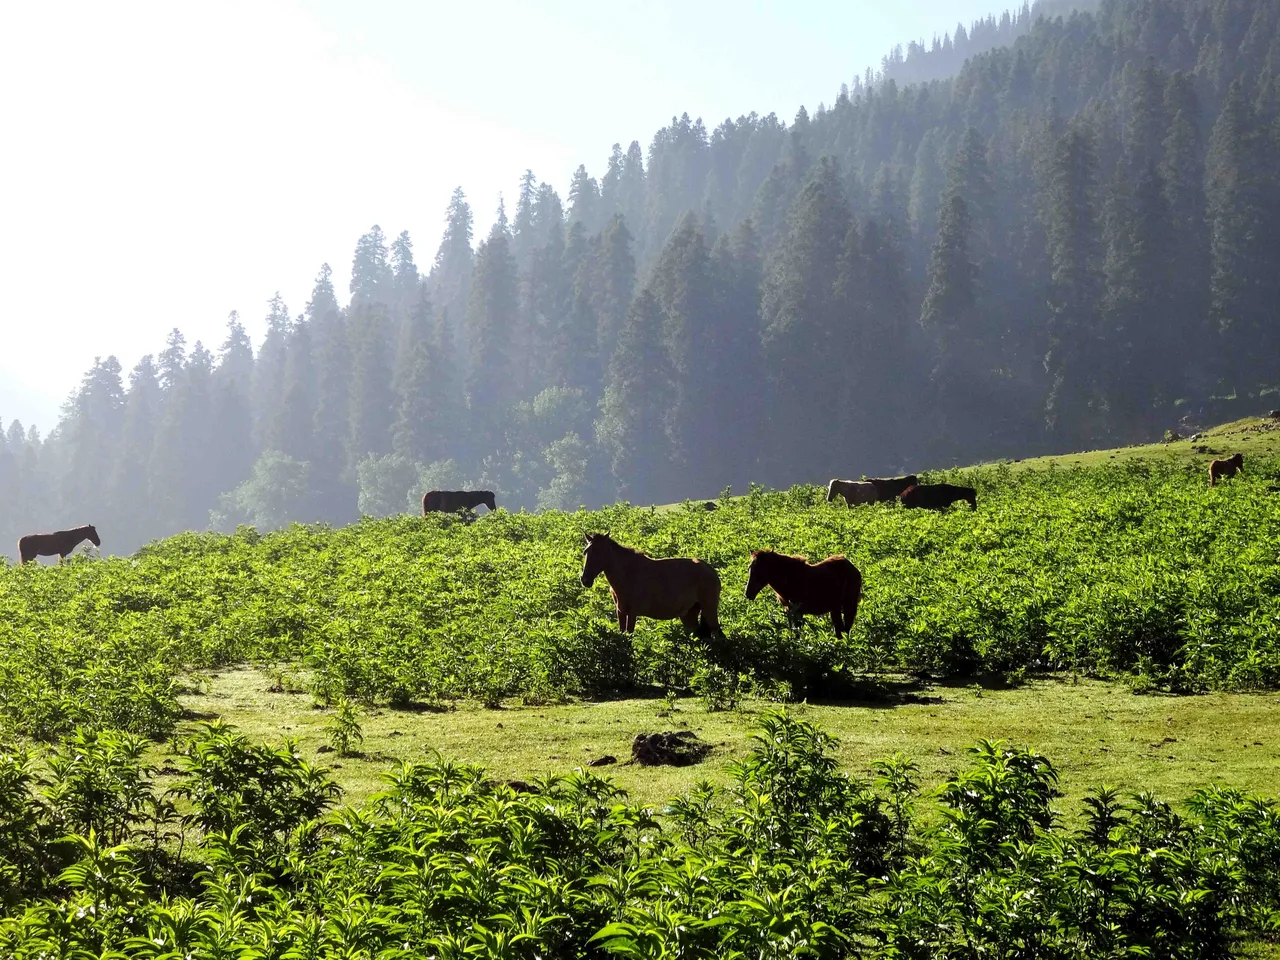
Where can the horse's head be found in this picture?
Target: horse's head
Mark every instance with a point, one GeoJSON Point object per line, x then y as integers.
{"type": "Point", "coordinates": [1238, 460]}
{"type": "Point", "coordinates": [593, 557]}
{"type": "Point", "coordinates": [489, 500]}
{"type": "Point", "coordinates": [92, 533]}
{"type": "Point", "coordinates": [757, 578]}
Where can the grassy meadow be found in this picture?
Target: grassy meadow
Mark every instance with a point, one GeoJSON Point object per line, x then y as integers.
{"type": "Point", "coordinates": [316, 742]}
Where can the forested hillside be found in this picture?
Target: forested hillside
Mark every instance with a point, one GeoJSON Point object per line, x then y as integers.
{"type": "Point", "coordinates": [1063, 245]}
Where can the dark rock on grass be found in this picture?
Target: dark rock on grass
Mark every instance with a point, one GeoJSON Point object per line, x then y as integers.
{"type": "Point", "coordinates": [673, 749]}
{"type": "Point", "coordinates": [517, 786]}
{"type": "Point", "coordinates": [324, 748]}
{"type": "Point", "coordinates": [607, 760]}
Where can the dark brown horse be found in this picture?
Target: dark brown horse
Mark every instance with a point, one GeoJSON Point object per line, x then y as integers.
{"type": "Point", "coordinates": [833, 586]}
{"type": "Point", "coordinates": [450, 501]}
{"type": "Point", "coordinates": [60, 542]}
{"type": "Point", "coordinates": [889, 487]}
{"type": "Point", "coordinates": [1221, 469]}
{"type": "Point", "coordinates": [938, 496]}
{"type": "Point", "coordinates": [661, 589]}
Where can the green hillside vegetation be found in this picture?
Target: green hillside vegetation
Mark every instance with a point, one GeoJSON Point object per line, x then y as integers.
{"type": "Point", "coordinates": [1035, 619]}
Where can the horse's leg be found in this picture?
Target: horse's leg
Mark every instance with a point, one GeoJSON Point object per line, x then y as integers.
{"type": "Point", "coordinates": [631, 623]}
{"type": "Point", "coordinates": [690, 619]}
{"type": "Point", "coordinates": [837, 622]}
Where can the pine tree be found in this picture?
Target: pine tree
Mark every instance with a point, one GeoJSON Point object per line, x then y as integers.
{"type": "Point", "coordinates": [630, 428]}
{"type": "Point", "coordinates": [804, 338]}
{"type": "Point", "coordinates": [371, 278]}
{"type": "Point", "coordinates": [613, 277]}
{"type": "Point", "coordinates": [268, 372]}
{"type": "Point", "coordinates": [732, 453]}
{"type": "Point", "coordinates": [492, 379]}
{"type": "Point", "coordinates": [450, 281]}
{"type": "Point", "coordinates": [128, 481]}
{"type": "Point", "coordinates": [404, 272]}
{"type": "Point", "coordinates": [573, 358]}
{"type": "Point", "coordinates": [292, 427]}
{"type": "Point", "coordinates": [584, 200]}
{"type": "Point", "coordinates": [372, 400]}
{"type": "Point", "coordinates": [949, 316]}
{"type": "Point", "coordinates": [418, 434]}
{"type": "Point", "coordinates": [1238, 262]}
{"type": "Point", "coordinates": [1075, 355]}
{"type": "Point", "coordinates": [93, 419]}
{"type": "Point", "coordinates": [681, 283]}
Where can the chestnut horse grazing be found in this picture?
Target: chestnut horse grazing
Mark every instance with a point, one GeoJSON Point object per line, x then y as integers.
{"type": "Point", "coordinates": [449, 501]}
{"type": "Point", "coordinates": [833, 586]}
{"type": "Point", "coordinates": [938, 496]}
{"type": "Point", "coordinates": [661, 589]}
{"type": "Point", "coordinates": [1220, 469]}
{"type": "Point", "coordinates": [853, 491]}
{"type": "Point", "coordinates": [61, 542]}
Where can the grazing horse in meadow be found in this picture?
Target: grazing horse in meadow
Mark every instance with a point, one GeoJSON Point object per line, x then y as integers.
{"type": "Point", "coordinates": [60, 542]}
{"type": "Point", "coordinates": [450, 501]}
{"type": "Point", "coordinates": [1221, 469]}
{"type": "Point", "coordinates": [833, 586]}
{"type": "Point", "coordinates": [938, 496]}
{"type": "Point", "coordinates": [661, 589]}
{"type": "Point", "coordinates": [890, 487]}
{"type": "Point", "coordinates": [853, 491]}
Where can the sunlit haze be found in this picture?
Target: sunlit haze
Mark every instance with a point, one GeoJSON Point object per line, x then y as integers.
{"type": "Point", "coordinates": [167, 163]}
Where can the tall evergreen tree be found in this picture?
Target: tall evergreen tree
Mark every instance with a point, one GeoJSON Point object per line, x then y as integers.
{"type": "Point", "coordinates": [630, 428]}
{"type": "Point", "coordinates": [371, 278]}
{"type": "Point", "coordinates": [492, 379]}
{"type": "Point", "coordinates": [451, 274]}
{"type": "Point", "coordinates": [613, 277]}
{"type": "Point", "coordinates": [803, 331]}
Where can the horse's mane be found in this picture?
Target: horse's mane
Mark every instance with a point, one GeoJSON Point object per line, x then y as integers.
{"type": "Point", "coordinates": [616, 545]}
{"type": "Point", "coordinates": [81, 528]}
{"type": "Point", "coordinates": [793, 557]}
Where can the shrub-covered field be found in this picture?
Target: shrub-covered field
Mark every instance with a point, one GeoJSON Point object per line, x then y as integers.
{"type": "Point", "coordinates": [1138, 569]}
{"type": "Point", "coordinates": [795, 858]}
{"type": "Point", "coordinates": [237, 849]}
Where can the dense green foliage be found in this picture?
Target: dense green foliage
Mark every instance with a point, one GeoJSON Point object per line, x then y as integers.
{"type": "Point", "coordinates": [794, 858]}
{"type": "Point", "coordinates": [1070, 242]}
{"type": "Point", "coordinates": [1138, 569]}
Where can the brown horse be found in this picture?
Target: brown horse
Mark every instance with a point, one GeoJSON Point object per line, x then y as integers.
{"type": "Point", "coordinates": [833, 586]}
{"type": "Point", "coordinates": [1221, 469]}
{"type": "Point", "coordinates": [60, 542]}
{"type": "Point", "coordinates": [661, 589]}
{"type": "Point", "coordinates": [938, 496]}
{"type": "Point", "coordinates": [450, 501]}
{"type": "Point", "coordinates": [855, 492]}
{"type": "Point", "coordinates": [888, 488]}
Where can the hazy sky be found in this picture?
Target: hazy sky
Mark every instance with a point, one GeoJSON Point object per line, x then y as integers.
{"type": "Point", "coordinates": [162, 164]}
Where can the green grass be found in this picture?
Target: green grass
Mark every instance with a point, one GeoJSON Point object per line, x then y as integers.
{"type": "Point", "coordinates": [1095, 733]}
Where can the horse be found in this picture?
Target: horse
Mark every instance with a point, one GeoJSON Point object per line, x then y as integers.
{"type": "Point", "coordinates": [1221, 469]}
{"type": "Point", "coordinates": [60, 542]}
{"type": "Point", "coordinates": [660, 589]}
{"type": "Point", "coordinates": [938, 496]}
{"type": "Point", "coordinates": [853, 491]}
{"type": "Point", "coordinates": [450, 501]}
{"type": "Point", "coordinates": [832, 586]}
{"type": "Point", "coordinates": [888, 488]}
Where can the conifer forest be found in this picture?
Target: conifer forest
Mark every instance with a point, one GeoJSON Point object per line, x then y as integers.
{"type": "Point", "coordinates": [1053, 230]}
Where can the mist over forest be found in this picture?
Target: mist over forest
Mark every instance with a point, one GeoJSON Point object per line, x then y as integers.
{"type": "Point", "coordinates": [1051, 230]}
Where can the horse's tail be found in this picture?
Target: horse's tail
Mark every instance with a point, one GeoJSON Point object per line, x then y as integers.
{"type": "Point", "coordinates": [709, 599]}
{"type": "Point", "coordinates": [852, 597]}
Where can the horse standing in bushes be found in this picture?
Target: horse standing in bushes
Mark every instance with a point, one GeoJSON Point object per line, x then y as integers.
{"type": "Point", "coordinates": [887, 488]}
{"type": "Point", "coordinates": [661, 589]}
{"type": "Point", "coordinates": [833, 586]}
{"type": "Point", "coordinates": [1221, 469]}
{"type": "Point", "coordinates": [450, 501]}
{"type": "Point", "coordinates": [60, 542]}
{"type": "Point", "coordinates": [938, 496]}
{"type": "Point", "coordinates": [853, 491]}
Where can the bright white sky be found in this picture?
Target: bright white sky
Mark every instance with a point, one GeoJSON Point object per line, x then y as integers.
{"type": "Point", "coordinates": [162, 163]}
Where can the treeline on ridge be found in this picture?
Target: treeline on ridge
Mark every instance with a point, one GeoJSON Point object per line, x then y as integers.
{"type": "Point", "coordinates": [1061, 246]}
